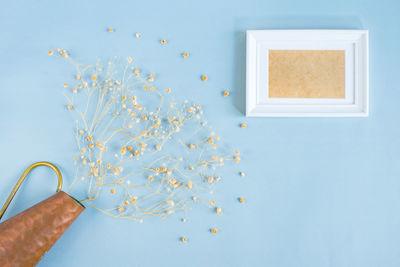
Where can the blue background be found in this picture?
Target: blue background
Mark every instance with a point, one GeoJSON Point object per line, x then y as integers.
{"type": "Point", "coordinates": [319, 191]}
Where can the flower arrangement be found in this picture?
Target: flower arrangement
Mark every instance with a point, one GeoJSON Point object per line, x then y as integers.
{"type": "Point", "coordinates": [139, 152]}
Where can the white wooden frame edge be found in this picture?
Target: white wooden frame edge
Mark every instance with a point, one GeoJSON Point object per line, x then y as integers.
{"type": "Point", "coordinates": [360, 107]}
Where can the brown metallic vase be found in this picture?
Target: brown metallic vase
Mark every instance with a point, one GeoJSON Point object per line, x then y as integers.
{"type": "Point", "coordinates": [25, 237]}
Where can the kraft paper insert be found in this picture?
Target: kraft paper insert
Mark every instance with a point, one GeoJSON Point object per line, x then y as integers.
{"type": "Point", "coordinates": [306, 74]}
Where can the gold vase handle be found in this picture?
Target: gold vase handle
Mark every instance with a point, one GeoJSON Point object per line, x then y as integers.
{"type": "Point", "coordinates": [23, 176]}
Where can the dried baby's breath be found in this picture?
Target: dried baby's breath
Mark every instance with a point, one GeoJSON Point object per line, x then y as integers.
{"type": "Point", "coordinates": [139, 152]}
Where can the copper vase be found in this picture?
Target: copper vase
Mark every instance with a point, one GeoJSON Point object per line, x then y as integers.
{"type": "Point", "coordinates": [25, 237]}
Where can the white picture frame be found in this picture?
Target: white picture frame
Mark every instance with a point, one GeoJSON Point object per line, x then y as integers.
{"type": "Point", "coordinates": [353, 42]}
